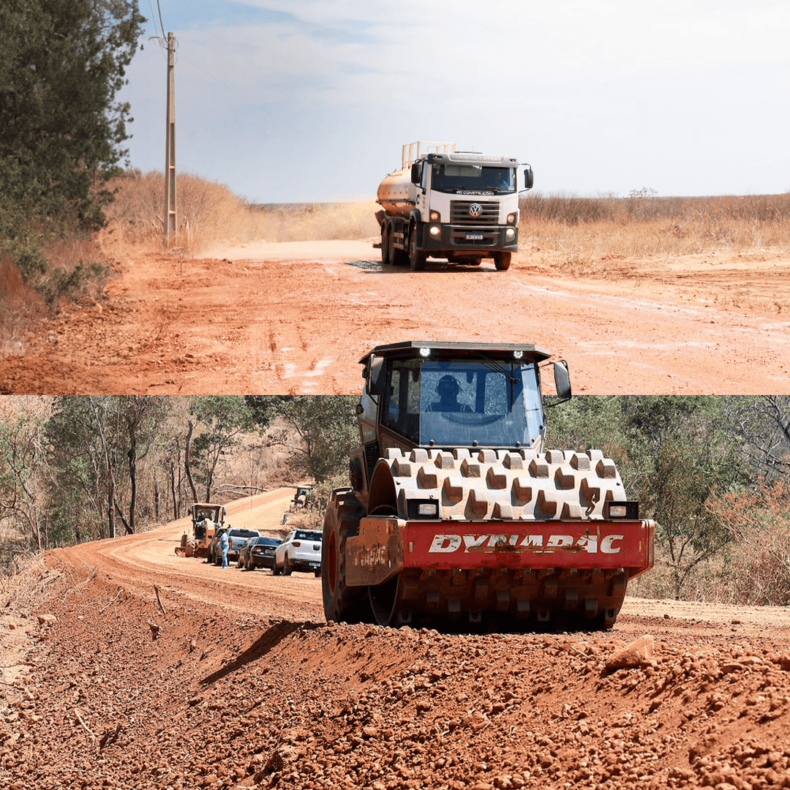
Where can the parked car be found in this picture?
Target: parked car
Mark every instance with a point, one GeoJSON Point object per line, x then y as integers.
{"type": "Point", "coordinates": [213, 547]}
{"type": "Point", "coordinates": [258, 553]}
{"type": "Point", "coordinates": [237, 537]}
{"type": "Point", "coordinates": [300, 551]}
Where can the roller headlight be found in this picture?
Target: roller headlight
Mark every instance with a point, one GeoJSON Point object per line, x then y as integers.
{"type": "Point", "coordinates": [621, 510]}
{"type": "Point", "coordinates": [422, 509]}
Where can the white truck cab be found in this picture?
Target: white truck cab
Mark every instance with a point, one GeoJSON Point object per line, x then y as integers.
{"type": "Point", "coordinates": [445, 203]}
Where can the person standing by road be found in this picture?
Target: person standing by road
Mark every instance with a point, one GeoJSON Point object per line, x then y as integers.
{"type": "Point", "coordinates": [224, 543]}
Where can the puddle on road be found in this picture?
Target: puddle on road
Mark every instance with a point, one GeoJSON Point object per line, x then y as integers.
{"type": "Point", "coordinates": [369, 265]}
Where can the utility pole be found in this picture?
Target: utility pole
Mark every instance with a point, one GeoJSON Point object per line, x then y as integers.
{"type": "Point", "coordinates": [170, 150]}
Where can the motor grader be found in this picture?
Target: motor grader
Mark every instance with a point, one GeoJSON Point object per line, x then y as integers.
{"type": "Point", "coordinates": [458, 514]}
{"type": "Point", "coordinates": [207, 518]}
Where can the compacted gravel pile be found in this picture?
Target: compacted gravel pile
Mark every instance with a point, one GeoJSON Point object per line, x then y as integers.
{"type": "Point", "coordinates": [118, 691]}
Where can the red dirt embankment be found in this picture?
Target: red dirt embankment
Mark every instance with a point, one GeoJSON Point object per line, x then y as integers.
{"type": "Point", "coordinates": [237, 682]}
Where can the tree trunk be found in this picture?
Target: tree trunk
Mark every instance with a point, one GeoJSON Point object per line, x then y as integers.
{"type": "Point", "coordinates": [186, 461]}
{"type": "Point", "coordinates": [132, 455]}
{"type": "Point", "coordinates": [157, 498]}
{"type": "Point", "coordinates": [110, 508]}
{"type": "Point", "coordinates": [173, 489]}
{"type": "Point", "coordinates": [119, 513]}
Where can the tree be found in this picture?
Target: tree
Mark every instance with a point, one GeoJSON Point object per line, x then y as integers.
{"type": "Point", "coordinates": [759, 520]}
{"type": "Point", "coordinates": [325, 429]}
{"type": "Point", "coordinates": [141, 416]}
{"type": "Point", "coordinates": [693, 459]}
{"type": "Point", "coordinates": [98, 441]}
{"type": "Point", "coordinates": [764, 424]}
{"type": "Point", "coordinates": [676, 455]}
{"type": "Point", "coordinates": [223, 418]}
{"type": "Point", "coordinates": [62, 63]}
{"type": "Point", "coordinates": [23, 469]}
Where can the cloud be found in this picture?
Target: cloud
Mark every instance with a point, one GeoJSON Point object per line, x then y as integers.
{"type": "Point", "coordinates": [584, 86]}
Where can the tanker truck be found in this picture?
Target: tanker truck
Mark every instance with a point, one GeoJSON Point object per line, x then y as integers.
{"type": "Point", "coordinates": [444, 203]}
{"type": "Point", "coordinates": [458, 515]}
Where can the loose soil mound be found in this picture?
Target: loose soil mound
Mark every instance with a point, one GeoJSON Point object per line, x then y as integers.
{"type": "Point", "coordinates": [206, 693]}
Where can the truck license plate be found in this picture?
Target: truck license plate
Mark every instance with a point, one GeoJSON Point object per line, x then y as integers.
{"type": "Point", "coordinates": [474, 236]}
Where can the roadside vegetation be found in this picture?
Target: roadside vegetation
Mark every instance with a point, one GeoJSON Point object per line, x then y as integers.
{"type": "Point", "coordinates": [76, 468]}
{"type": "Point", "coordinates": [62, 128]}
{"type": "Point", "coordinates": [210, 214]}
{"type": "Point", "coordinates": [712, 471]}
{"type": "Point", "coordinates": [596, 230]}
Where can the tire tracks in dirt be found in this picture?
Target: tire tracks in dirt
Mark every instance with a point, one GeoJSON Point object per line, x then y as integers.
{"type": "Point", "coordinates": [273, 326]}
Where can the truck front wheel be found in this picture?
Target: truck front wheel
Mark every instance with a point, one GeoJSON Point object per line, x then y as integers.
{"type": "Point", "coordinates": [417, 258]}
{"type": "Point", "coordinates": [502, 261]}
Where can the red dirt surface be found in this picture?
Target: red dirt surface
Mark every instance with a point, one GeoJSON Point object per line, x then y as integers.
{"type": "Point", "coordinates": [236, 681]}
{"type": "Point", "coordinates": [295, 318]}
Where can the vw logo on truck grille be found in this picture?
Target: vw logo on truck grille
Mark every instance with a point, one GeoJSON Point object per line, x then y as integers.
{"type": "Point", "coordinates": [475, 210]}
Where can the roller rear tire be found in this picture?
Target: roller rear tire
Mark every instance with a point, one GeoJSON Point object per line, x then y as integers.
{"type": "Point", "coordinates": [342, 604]}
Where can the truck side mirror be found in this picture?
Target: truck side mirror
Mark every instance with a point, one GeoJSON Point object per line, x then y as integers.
{"type": "Point", "coordinates": [416, 173]}
{"type": "Point", "coordinates": [377, 376]}
{"type": "Point", "coordinates": [529, 178]}
{"type": "Point", "coordinates": [562, 381]}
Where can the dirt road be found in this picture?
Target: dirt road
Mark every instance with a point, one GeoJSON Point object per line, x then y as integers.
{"type": "Point", "coordinates": [140, 561]}
{"type": "Point", "coordinates": [296, 318]}
{"type": "Point", "coordinates": [236, 682]}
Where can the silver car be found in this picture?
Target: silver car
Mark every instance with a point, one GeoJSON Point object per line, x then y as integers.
{"type": "Point", "coordinates": [300, 551]}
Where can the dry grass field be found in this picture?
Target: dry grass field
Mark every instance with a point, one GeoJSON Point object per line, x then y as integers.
{"type": "Point", "coordinates": [209, 213]}
{"type": "Point", "coordinates": [589, 236]}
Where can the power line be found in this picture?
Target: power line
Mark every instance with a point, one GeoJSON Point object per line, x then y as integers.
{"type": "Point", "coordinates": [153, 18]}
{"type": "Point", "coordinates": [161, 23]}
{"type": "Point", "coordinates": [160, 35]}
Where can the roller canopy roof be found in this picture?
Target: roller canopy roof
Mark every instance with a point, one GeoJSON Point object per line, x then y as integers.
{"type": "Point", "coordinates": [410, 349]}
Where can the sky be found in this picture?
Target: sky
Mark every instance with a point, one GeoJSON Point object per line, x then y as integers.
{"type": "Point", "coordinates": [311, 101]}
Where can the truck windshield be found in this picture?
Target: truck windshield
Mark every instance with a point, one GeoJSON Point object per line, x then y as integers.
{"type": "Point", "coordinates": [474, 178]}
{"type": "Point", "coordinates": [460, 403]}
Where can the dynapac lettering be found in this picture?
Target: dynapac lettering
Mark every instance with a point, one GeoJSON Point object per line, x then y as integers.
{"type": "Point", "coordinates": [447, 544]}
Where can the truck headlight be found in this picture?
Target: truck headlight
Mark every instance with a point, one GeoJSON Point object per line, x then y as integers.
{"type": "Point", "coordinates": [510, 233]}
{"type": "Point", "coordinates": [435, 216]}
{"type": "Point", "coordinates": [435, 230]}
{"type": "Point", "coordinates": [511, 219]}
